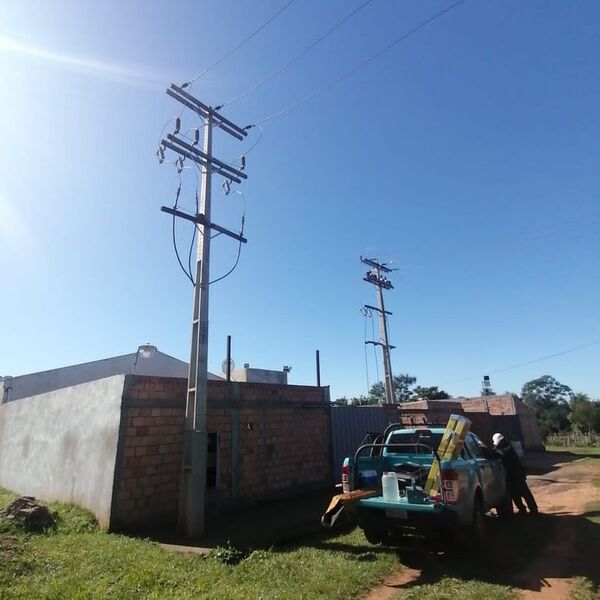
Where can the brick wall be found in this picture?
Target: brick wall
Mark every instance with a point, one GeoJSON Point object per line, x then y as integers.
{"type": "Point", "coordinates": [273, 440]}
{"type": "Point", "coordinates": [481, 425]}
{"type": "Point", "coordinates": [150, 463]}
{"type": "Point", "coordinates": [501, 404]}
{"type": "Point", "coordinates": [422, 412]}
{"type": "Point", "coordinates": [511, 417]}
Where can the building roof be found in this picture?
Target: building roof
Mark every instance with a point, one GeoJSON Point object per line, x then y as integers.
{"type": "Point", "coordinates": [158, 365]}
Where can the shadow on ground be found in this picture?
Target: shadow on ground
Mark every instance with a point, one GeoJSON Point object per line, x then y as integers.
{"type": "Point", "coordinates": [253, 527]}
{"type": "Point", "coordinates": [523, 552]}
{"type": "Point", "coordinates": [540, 463]}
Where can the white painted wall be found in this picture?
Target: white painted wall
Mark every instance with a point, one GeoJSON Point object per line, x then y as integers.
{"type": "Point", "coordinates": [251, 375]}
{"type": "Point", "coordinates": [62, 445]}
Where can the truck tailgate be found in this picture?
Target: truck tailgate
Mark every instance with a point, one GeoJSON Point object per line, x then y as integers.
{"type": "Point", "coordinates": [379, 503]}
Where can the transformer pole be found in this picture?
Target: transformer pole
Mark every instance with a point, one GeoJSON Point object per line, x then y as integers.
{"type": "Point", "coordinates": [381, 282]}
{"type": "Point", "coordinates": [193, 483]}
{"type": "Point", "coordinates": [192, 501]}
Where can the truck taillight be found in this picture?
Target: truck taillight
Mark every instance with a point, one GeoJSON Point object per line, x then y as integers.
{"type": "Point", "coordinates": [450, 484]}
{"type": "Point", "coordinates": [345, 478]}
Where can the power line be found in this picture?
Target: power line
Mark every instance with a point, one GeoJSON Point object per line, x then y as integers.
{"type": "Point", "coordinates": [375, 349]}
{"type": "Point", "coordinates": [237, 259]}
{"type": "Point", "coordinates": [366, 313]}
{"type": "Point", "coordinates": [239, 250]}
{"type": "Point", "coordinates": [239, 45]}
{"type": "Point", "coordinates": [177, 194]}
{"type": "Point", "coordinates": [290, 62]}
{"type": "Point", "coordinates": [535, 360]}
{"type": "Point", "coordinates": [191, 250]}
{"type": "Point", "coordinates": [359, 66]}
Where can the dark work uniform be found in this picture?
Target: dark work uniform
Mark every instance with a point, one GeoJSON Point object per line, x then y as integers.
{"type": "Point", "coordinates": [516, 478]}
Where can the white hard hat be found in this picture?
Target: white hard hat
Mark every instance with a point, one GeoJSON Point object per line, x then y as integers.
{"type": "Point", "coordinates": [497, 438]}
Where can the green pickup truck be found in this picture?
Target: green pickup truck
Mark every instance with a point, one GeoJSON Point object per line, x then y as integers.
{"type": "Point", "coordinates": [469, 486]}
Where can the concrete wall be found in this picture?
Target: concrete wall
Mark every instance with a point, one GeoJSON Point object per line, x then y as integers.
{"type": "Point", "coordinates": [62, 445]}
{"type": "Point", "coordinates": [251, 375]}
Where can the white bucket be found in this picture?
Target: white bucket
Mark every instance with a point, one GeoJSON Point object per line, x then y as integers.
{"type": "Point", "coordinates": [389, 484]}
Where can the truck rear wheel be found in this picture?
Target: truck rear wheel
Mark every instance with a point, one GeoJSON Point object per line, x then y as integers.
{"type": "Point", "coordinates": [478, 530]}
{"type": "Point", "coordinates": [374, 535]}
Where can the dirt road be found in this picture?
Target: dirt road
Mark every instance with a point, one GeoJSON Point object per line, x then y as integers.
{"type": "Point", "coordinates": [539, 556]}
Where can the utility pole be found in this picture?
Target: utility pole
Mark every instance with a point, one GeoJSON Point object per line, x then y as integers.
{"type": "Point", "coordinates": [381, 282]}
{"type": "Point", "coordinates": [195, 450]}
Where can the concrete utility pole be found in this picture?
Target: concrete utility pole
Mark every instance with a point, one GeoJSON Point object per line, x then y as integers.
{"type": "Point", "coordinates": [193, 481]}
{"type": "Point", "coordinates": [381, 282]}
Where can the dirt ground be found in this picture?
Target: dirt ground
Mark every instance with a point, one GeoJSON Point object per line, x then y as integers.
{"type": "Point", "coordinates": [539, 556]}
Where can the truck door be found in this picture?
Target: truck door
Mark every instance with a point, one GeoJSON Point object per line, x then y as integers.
{"type": "Point", "coordinates": [485, 470]}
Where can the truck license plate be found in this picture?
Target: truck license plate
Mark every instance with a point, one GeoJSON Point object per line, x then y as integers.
{"type": "Point", "coordinates": [396, 514]}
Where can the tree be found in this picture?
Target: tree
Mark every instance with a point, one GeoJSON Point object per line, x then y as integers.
{"type": "Point", "coordinates": [402, 385]}
{"type": "Point", "coordinates": [364, 401]}
{"type": "Point", "coordinates": [377, 392]}
{"type": "Point", "coordinates": [429, 393]}
{"type": "Point", "coordinates": [402, 391]}
{"type": "Point", "coordinates": [355, 401]}
{"type": "Point", "coordinates": [549, 399]}
{"type": "Point", "coordinates": [585, 414]}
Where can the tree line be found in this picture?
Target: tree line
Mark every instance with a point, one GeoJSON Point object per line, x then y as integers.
{"type": "Point", "coordinates": [557, 408]}
{"type": "Point", "coordinates": [404, 390]}
{"type": "Point", "coordinates": [560, 410]}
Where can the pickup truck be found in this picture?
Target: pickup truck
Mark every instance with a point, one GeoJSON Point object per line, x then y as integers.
{"type": "Point", "coordinates": [469, 486]}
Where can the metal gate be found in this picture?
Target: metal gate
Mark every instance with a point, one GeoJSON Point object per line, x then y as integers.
{"type": "Point", "coordinates": [349, 425]}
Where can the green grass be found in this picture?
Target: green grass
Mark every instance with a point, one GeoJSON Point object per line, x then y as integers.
{"type": "Point", "coordinates": [592, 451]}
{"type": "Point", "coordinates": [583, 589]}
{"type": "Point", "coordinates": [78, 560]}
{"type": "Point", "coordinates": [456, 589]}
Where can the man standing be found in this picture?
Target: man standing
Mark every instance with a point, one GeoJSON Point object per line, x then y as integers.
{"type": "Point", "coordinates": [515, 476]}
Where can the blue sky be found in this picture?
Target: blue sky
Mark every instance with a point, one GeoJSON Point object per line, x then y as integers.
{"type": "Point", "coordinates": [468, 156]}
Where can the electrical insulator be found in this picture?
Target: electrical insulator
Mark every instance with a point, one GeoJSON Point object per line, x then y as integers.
{"type": "Point", "coordinates": [177, 125]}
{"type": "Point", "coordinates": [226, 187]}
{"type": "Point", "coordinates": [243, 162]}
{"type": "Point", "coordinates": [161, 155]}
{"type": "Point", "coordinates": [196, 136]}
{"type": "Point", "coordinates": [179, 164]}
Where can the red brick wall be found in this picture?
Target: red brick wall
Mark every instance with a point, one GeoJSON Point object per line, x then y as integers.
{"type": "Point", "coordinates": [282, 435]}
{"type": "Point", "coordinates": [510, 417]}
{"type": "Point", "coordinates": [282, 449]}
{"type": "Point", "coordinates": [496, 405]}
{"type": "Point", "coordinates": [150, 470]}
{"type": "Point", "coordinates": [422, 412]}
{"type": "Point", "coordinates": [482, 426]}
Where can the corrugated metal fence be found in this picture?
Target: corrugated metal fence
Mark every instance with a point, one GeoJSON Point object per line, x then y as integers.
{"type": "Point", "coordinates": [349, 425]}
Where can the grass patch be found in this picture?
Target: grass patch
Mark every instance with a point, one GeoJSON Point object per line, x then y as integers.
{"type": "Point", "coordinates": [456, 589]}
{"type": "Point", "coordinates": [78, 560]}
{"type": "Point", "coordinates": [583, 589]}
{"type": "Point", "coordinates": [585, 450]}
{"type": "Point", "coordinates": [592, 452]}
